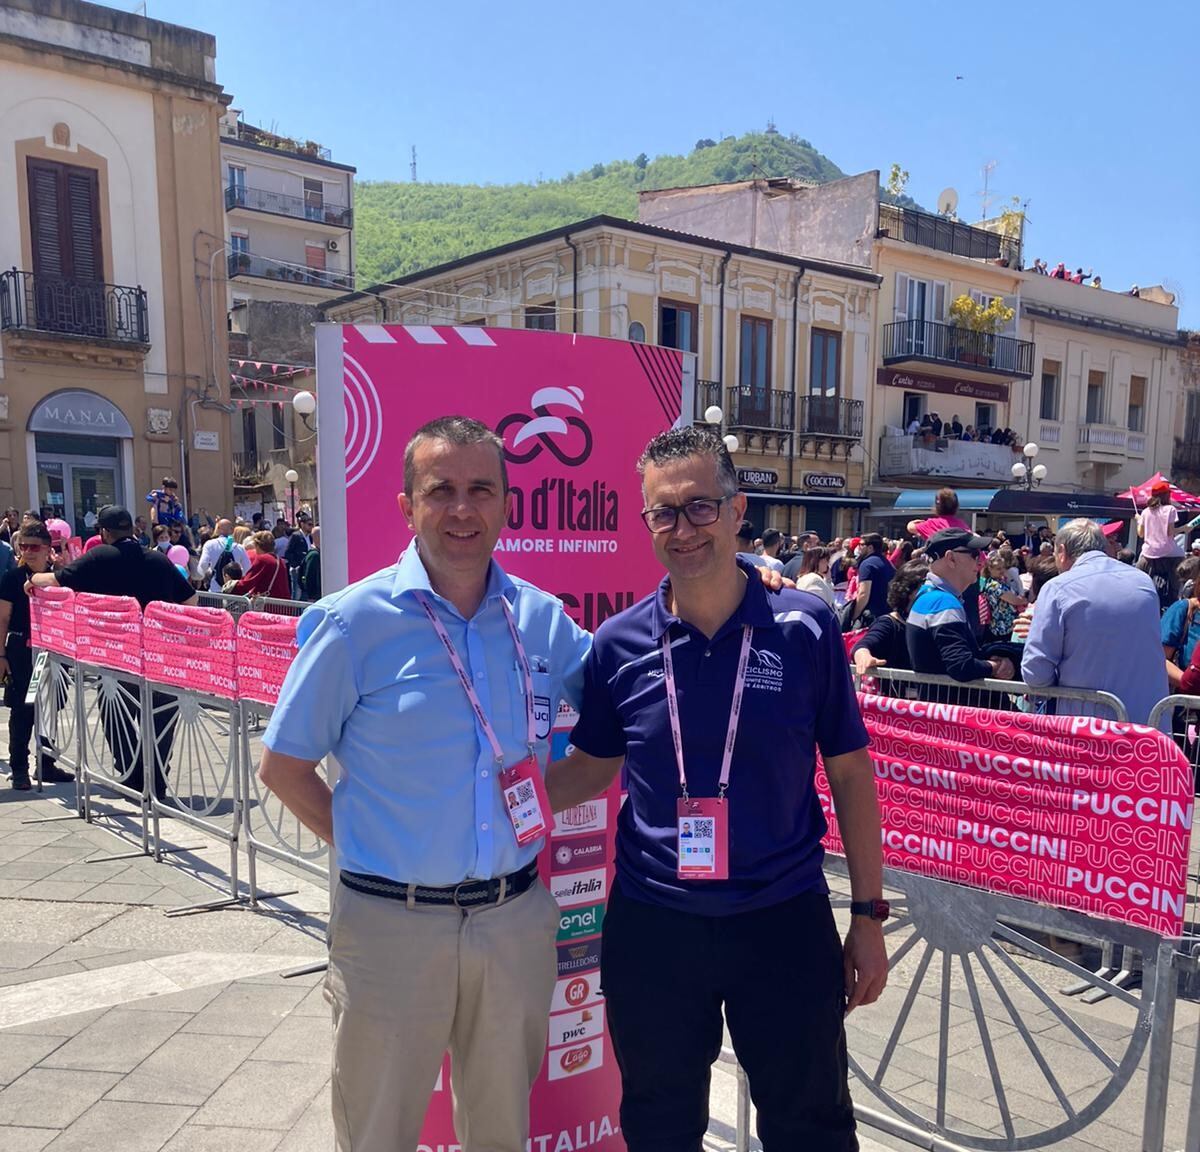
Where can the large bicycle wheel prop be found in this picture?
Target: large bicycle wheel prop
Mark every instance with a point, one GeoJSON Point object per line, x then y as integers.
{"type": "Point", "coordinates": [56, 709]}
{"type": "Point", "coordinates": [1016, 840]}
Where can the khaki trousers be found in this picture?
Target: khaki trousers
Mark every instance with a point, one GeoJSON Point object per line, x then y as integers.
{"type": "Point", "coordinates": [408, 983]}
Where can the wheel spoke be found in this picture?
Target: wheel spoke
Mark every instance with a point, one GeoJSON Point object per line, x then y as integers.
{"type": "Point", "coordinates": [904, 949]}
{"type": "Point", "coordinates": [988, 1051]}
{"type": "Point", "coordinates": [1044, 953]}
{"type": "Point", "coordinates": [943, 1041]}
{"type": "Point", "coordinates": [905, 1009]}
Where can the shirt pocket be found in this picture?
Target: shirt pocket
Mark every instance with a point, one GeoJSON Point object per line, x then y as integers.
{"type": "Point", "coordinates": [542, 703]}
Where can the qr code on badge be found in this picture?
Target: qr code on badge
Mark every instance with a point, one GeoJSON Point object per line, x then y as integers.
{"type": "Point", "coordinates": [522, 793]}
{"type": "Point", "coordinates": [703, 828]}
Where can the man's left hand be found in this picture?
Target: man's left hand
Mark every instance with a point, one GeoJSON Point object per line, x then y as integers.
{"type": "Point", "coordinates": [865, 961]}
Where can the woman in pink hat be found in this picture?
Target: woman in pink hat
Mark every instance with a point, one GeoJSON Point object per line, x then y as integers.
{"type": "Point", "coordinates": [1161, 552]}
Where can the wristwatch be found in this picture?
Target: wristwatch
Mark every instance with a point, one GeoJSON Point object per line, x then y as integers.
{"type": "Point", "coordinates": [872, 909]}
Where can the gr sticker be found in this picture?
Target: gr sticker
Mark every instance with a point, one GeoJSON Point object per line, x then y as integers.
{"type": "Point", "coordinates": [573, 992]}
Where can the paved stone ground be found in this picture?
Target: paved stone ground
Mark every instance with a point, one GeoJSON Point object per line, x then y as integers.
{"type": "Point", "coordinates": [123, 1029]}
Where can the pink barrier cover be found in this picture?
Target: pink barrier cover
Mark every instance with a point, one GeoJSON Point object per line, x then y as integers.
{"type": "Point", "coordinates": [190, 647]}
{"type": "Point", "coordinates": [108, 631]}
{"type": "Point", "coordinates": [52, 620]}
{"type": "Point", "coordinates": [266, 646]}
{"type": "Point", "coordinates": [1071, 811]}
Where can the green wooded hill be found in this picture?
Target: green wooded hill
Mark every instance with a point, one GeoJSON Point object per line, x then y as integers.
{"type": "Point", "coordinates": [403, 228]}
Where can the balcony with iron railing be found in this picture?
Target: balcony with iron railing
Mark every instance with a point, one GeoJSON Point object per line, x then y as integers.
{"type": "Point", "coordinates": [930, 342]}
{"type": "Point", "coordinates": [945, 235]}
{"type": "Point", "coordinates": [280, 204]}
{"type": "Point", "coordinates": [247, 264]}
{"type": "Point", "coordinates": [830, 416]}
{"type": "Point", "coordinates": [74, 308]}
{"type": "Point", "coordinates": [708, 395]}
{"type": "Point", "coordinates": [1186, 457]}
{"type": "Point", "coordinates": [765, 409]}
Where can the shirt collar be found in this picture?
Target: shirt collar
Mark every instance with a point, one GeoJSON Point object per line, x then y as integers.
{"type": "Point", "coordinates": [755, 608]}
{"type": "Point", "coordinates": [411, 576]}
{"type": "Point", "coordinates": [935, 581]}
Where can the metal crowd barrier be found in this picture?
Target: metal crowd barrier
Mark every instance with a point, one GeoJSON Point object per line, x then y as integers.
{"type": "Point", "coordinates": [280, 607]}
{"type": "Point", "coordinates": [999, 695]}
{"type": "Point", "coordinates": [234, 605]}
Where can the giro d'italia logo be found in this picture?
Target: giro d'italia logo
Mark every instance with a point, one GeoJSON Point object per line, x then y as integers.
{"type": "Point", "coordinates": [567, 438]}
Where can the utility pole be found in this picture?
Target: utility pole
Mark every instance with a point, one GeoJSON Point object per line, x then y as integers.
{"type": "Point", "coordinates": [413, 165]}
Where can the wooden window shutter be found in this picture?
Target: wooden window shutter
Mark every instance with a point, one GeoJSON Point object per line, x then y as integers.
{"type": "Point", "coordinates": [83, 220]}
{"type": "Point", "coordinates": [49, 258]}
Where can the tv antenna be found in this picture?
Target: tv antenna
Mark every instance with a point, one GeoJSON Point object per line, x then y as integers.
{"type": "Point", "coordinates": [413, 166]}
{"type": "Point", "coordinates": [947, 202]}
{"type": "Point", "coordinates": [986, 197]}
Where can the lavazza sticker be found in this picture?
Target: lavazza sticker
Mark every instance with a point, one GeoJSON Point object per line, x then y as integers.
{"type": "Point", "coordinates": [580, 887]}
{"type": "Point", "coordinates": [589, 817]}
{"type": "Point", "coordinates": [576, 992]}
{"type": "Point", "coordinates": [575, 1027]}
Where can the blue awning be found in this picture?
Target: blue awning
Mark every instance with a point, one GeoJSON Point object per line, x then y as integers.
{"type": "Point", "coordinates": [921, 499]}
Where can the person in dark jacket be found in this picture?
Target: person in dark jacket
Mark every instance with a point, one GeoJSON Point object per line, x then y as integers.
{"type": "Point", "coordinates": [886, 642]}
{"type": "Point", "coordinates": [939, 638]}
{"type": "Point", "coordinates": [310, 570]}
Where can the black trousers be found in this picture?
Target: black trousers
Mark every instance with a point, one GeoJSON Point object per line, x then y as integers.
{"type": "Point", "coordinates": [21, 715]}
{"type": "Point", "coordinates": [778, 974]}
{"type": "Point", "coordinates": [122, 733]}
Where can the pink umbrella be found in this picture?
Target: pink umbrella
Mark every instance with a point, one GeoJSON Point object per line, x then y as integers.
{"type": "Point", "coordinates": [1141, 492]}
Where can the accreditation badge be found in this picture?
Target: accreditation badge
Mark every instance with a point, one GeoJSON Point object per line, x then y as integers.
{"type": "Point", "coordinates": [702, 838]}
{"type": "Point", "coordinates": [525, 800]}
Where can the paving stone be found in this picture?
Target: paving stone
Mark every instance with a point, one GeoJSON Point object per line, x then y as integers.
{"type": "Point", "coordinates": [14, 976]}
{"type": "Point", "coordinates": [314, 1130]}
{"type": "Point", "coordinates": [11, 888]}
{"type": "Point", "coordinates": [118, 1042]}
{"type": "Point", "coordinates": [64, 1026]}
{"type": "Point", "coordinates": [24, 953]}
{"type": "Point", "coordinates": [32, 868]}
{"type": "Point", "coordinates": [57, 889]}
{"type": "Point", "coordinates": [113, 1124]}
{"type": "Point", "coordinates": [20, 1053]}
{"type": "Point", "coordinates": [203, 1138]}
{"type": "Point", "coordinates": [116, 893]}
{"type": "Point", "coordinates": [263, 1095]}
{"type": "Point", "coordinates": [186, 1069]}
{"type": "Point", "coordinates": [52, 1097]}
{"type": "Point", "coordinates": [298, 1039]}
{"type": "Point", "coordinates": [26, 1139]}
{"type": "Point", "coordinates": [50, 923]}
{"type": "Point", "coordinates": [314, 1004]}
{"type": "Point", "coordinates": [190, 1002]}
{"type": "Point", "coordinates": [251, 1010]}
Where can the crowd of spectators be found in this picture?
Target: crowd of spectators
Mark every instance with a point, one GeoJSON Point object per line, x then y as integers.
{"type": "Point", "coordinates": [932, 430]}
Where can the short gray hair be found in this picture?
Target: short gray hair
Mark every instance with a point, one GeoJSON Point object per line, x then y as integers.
{"type": "Point", "coordinates": [1080, 536]}
{"type": "Point", "coordinates": [683, 443]}
{"type": "Point", "coordinates": [458, 430]}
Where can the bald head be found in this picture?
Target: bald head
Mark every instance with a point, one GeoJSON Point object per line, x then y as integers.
{"type": "Point", "coordinates": [224, 527]}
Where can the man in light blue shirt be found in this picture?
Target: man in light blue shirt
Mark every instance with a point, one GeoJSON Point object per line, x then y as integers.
{"type": "Point", "coordinates": [441, 935]}
{"type": "Point", "coordinates": [1096, 626]}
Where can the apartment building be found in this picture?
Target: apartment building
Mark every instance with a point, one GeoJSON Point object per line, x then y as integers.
{"type": "Point", "coordinates": [782, 344]}
{"type": "Point", "coordinates": [289, 226]}
{"type": "Point", "coordinates": [1091, 376]}
{"type": "Point", "coordinates": [112, 311]}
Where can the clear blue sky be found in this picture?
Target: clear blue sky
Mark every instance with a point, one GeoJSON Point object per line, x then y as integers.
{"type": "Point", "coordinates": [1090, 111]}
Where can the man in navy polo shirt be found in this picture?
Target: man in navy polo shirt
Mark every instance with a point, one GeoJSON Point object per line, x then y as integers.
{"type": "Point", "coordinates": [736, 913]}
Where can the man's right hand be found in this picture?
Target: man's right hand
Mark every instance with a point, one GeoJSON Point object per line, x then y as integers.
{"type": "Point", "coordinates": [1003, 668]}
{"type": "Point", "coordinates": [864, 661]}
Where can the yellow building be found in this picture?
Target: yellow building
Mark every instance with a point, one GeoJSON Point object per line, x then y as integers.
{"type": "Point", "coordinates": [782, 345]}
{"type": "Point", "coordinates": [112, 302]}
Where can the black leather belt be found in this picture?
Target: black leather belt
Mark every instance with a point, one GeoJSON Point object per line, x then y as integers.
{"type": "Point", "coordinates": [468, 894]}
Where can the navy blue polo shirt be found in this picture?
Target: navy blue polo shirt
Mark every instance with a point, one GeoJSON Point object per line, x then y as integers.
{"type": "Point", "coordinates": [798, 697]}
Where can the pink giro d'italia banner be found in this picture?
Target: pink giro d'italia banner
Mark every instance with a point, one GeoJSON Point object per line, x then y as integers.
{"type": "Point", "coordinates": [575, 413]}
{"type": "Point", "coordinates": [1071, 811]}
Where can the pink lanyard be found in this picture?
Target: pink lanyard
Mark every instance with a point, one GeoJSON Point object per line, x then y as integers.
{"type": "Point", "coordinates": [735, 711]}
{"type": "Point", "coordinates": [469, 688]}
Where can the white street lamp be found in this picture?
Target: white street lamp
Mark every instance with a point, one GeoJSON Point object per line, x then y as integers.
{"type": "Point", "coordinates": [1019, 470]}
{"type": "Point", "coordinates": [291, 476]}
{"type": "Point", "coordinates": [1031, 450]}
{"type": "Point", "coordinates": [732, 443]}
{"type": "Point", "coordinates": [304, 402]}
{"type": "Point", "coordinates": [1039, 472]}
{"type": "Point", "coordinates": [713, 414]}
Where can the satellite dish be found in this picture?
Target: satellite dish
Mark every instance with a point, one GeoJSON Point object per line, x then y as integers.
{"type": "Point", "coordinates": [947, 202]}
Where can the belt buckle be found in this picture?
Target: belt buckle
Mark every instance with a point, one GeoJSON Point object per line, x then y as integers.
{"type": "Point", "coordinates": [454, 896]}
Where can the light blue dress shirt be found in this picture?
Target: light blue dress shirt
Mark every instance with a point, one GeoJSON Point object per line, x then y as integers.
{"type": "Point", "coordinates": [418, 800]}
{"type": "Point", "coordinates": [1096, 626]}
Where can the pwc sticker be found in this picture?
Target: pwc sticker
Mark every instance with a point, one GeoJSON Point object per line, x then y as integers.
{"type": "Point", "coordinates": [581, 957]}
{"type": "Point", "coordinates": [575, 1059]}
{"type": "Point", "coordinates": [576, 1027]}
{"type": "Point", "coordinates": [579, 852]}
{"type": "Point", "coordinates": [576, 922]}
{"type": "Point", "coordinates": [591, 816]}
{"type": "Point", "coordinates": [579, 887]}
{"type": "Point", "coordinates": [576, 992]}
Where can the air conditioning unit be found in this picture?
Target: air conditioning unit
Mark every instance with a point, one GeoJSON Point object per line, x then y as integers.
{"type": "Point", "coordinates": [332, 245]}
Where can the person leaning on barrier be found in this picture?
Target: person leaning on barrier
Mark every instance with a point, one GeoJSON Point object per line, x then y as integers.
{"type": "Point", "coordinates": [120, 566]}
{"type": "Point", "coordinates": [16, 665]}
{"type": "Point", "coordinates": [886, 642]}
{"type": "Point", "coordinates": [1096, 627]}
{"type": "Point", "coordinates": [422, 679]}
{"type": "Point", "coordinates": [940, 640]}
{"type": "Point", "coordinates": [690, 927]}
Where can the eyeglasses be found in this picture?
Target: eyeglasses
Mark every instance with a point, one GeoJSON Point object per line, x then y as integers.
{"type": "Point", "coordinates": [699, 513]}
{"type": "Point", "coordinates": [972, 552]}
{"type": "Point", "coordinates": [32, 547]}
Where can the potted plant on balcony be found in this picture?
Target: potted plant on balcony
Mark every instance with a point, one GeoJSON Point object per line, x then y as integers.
{"type": "Point", "coordinates": [973, 322]}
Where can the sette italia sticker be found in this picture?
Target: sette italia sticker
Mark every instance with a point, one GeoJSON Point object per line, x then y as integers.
{"type": "Point", "coordinates": [580, 887]}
